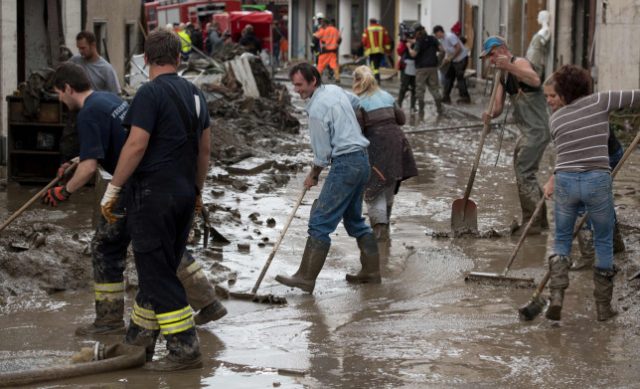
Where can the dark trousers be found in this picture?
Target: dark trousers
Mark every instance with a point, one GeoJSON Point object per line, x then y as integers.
{"type": "Point", "coordinates": [109, 248]}
{"type": "Point", "coordinates": [375, 60]}
{"type": "Point", "coordinates": [159, 219]}
{"type": "Point", "coordinates": [407, 84]}
{"type": "Point", "coordinates": [456, 73]}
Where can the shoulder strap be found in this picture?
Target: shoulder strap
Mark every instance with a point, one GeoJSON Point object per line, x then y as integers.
{"type": "Point", "coordinates": [192, 123]}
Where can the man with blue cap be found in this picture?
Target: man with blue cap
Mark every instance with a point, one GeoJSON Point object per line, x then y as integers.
{"type": "Point", "coordinates": [523, 85]}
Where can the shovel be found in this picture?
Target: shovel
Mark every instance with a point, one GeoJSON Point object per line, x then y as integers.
{"type": "Point", "coordinates": [502, 277]}
{"type": "Point", "coordinates": [464, 213]}
{"type": "Point", "coordinates": [271, 299]}
{"type": "Point", "coordinates": [536, 304]}
{"type": "Point", "coordinates": [38, 195]}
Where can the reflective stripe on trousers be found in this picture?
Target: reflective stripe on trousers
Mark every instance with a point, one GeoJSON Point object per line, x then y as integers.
{"type": "Point", "coordinates": [109, 291]}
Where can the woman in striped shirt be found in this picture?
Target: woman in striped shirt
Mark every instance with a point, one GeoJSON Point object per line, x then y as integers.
{"type": "Point", "coordinates": [580, 131]}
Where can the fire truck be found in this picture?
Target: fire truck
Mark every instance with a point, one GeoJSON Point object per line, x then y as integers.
{"type": "Point", "coordinates": [228, 14]}
{"type": "Point", "coordinates": [163, 12]}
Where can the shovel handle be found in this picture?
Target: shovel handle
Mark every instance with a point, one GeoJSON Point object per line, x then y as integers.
{"type": "Point", "coordinates": [277, 245]}
{"type": "Point", "coordinates": [523, 236]}
{"type": "Point", "coordinates": [485, 131]}
{"type": "Point", "coordinates": [38, 195]}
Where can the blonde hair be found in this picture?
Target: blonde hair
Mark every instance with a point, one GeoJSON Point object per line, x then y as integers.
{"type": "Point", "coordinates": [363, 81]}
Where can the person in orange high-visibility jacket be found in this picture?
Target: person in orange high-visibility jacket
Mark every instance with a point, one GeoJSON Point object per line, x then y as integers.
{"type": "Point", "coordinates": [329, 38]}
{"type": "Point", "coordinates": [376, 43]}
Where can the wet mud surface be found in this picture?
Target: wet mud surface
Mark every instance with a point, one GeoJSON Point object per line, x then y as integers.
{"type": "Point", "coordinates": [422, 327]}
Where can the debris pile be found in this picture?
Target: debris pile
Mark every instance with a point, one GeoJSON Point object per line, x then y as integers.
{"type": "Point", "coordinates": [254, 125]}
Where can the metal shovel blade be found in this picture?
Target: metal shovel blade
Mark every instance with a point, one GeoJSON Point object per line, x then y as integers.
{"type": "Point", "coordinates": [464, 217]}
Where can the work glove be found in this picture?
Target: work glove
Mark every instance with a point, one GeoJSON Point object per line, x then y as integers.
{"type": "Point", "coordinates": [62, 174]}
{"type": "Point", "coordinates": [108, 203]}
{"type": "Point", "coordinates": [198, 207]}
{"type": "Point", "coordinates": [53, 196]}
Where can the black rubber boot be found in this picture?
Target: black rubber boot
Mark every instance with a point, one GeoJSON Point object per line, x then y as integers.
{"type": "Point", "coordinates": [184, 353]}
{"type": "Point", "coordinates": [143, 337]}
{"type": "Point", "coordinates": [587, 251]}
{"type": "Point", "coordinates": [315, 253]}
{"type": "Point", "coordinates": [370, 260]}
{"type": "Point", "coordinates": [558, 282]}
{"type": "Point", "coordinates": [618, 241]}
{"type": "Point", "coordinates": [108, 320]}
{"type": "Point", "coordinates": [200, 293]}
{"type": "Point", "coordinates": [602, 292]}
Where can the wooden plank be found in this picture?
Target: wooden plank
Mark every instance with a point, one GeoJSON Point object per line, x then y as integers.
{"type": "Point", "coordinates": [250, 166]}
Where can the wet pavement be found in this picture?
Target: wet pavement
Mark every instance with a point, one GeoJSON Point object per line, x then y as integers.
{"type": "Point", "coordinates": [422, 327]}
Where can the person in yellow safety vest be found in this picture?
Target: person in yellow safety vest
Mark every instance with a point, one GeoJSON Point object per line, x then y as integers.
{"type": "Point", "coordinates": [329, 38]}
{"type": "Point", "coordinates": [376, 43]}
{"type": "Point", "coordinates": [185, 41]}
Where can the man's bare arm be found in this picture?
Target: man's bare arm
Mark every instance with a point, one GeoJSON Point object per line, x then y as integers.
{"type": "Point", "coordinates": [131, 155]}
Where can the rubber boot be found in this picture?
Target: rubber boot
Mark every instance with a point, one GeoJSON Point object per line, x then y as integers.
{"type": "Point", "coordinates": [602, 292]}
{"type": "Point", "coordinates": [370, 260]}
{"type": "Point", "coordinates": [108, 320]}
{"type": "Point", "coordinates": [337, 76]}
{"type": "Point", "coordinates": [143, 337]}
{"type": "Point", "coordinates": [421, 110]}
{"type": "Point", "coordinates": [587, 251]}
{"type": "Point", "coordinates": [381, 232]}
{"type": "Point", "coordinates": [618, 241]}
{"type": "Point", "coordinates": [200, 293]}
{"type": "Point", "coordinates": [184, 353]}
{"type": "Point", "coordinates": [315, 253]}
{"type": "Point", "coordinates": [558, 282]}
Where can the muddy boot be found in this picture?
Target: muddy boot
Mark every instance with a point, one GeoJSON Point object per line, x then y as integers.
{"type": "Point", "coordinates": [381, 232]}
{"type": "Point", "coordinates": [108, 320]}
{"type": "Point", "coordinates": [618, 242]}
{"type": "Point", "coordinates": [212, 312]}
{"type": "Point", "coordinates": [602, 291]}
{"type": "Point", "coordinates": [184, 353]}
{"type": "Point", "coordinates": [558, 282]}
{"type": "Point", "coordinates": [315, 253]}
{"type": "Point", "coordinates": [200, 293]}
{"type": "Point", "coordinates": [587, 252]}
{"type": "Point", "coordinates": [138, 336]}
{"type": "Point", "coordinates": [370, 260]}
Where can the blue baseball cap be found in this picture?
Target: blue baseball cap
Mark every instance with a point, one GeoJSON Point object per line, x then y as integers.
{"type": "Point", "coordinates": [490, 43]}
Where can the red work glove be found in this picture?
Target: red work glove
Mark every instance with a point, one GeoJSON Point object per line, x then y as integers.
{"type": "Point", "coordinates": [62, 174]}
{"type": "Point", "coordinates": [56, 195]}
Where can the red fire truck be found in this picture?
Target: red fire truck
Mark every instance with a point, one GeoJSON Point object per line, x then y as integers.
{"type": "Point", "coordinates": [163, 12]}
{"type": "Point", "coordinates": [226, 12]}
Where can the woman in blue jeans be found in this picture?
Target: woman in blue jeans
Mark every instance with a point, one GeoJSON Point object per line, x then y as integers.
{"type": "Point", "coordinates": [580, 132]}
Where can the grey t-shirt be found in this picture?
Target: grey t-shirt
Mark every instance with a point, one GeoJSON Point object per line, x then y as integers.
{"type": "Point", "coordinates": [580, 130]}
{"type": "Point", "coordinates": [101, 74]}
{"type": "Point", "coordinates": [449, 44]}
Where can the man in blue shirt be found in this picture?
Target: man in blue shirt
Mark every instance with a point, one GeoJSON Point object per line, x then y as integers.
{"type": "Point", "coordinates": [336, 139]}
{"type": "Point", "coordinates": [101, 136]}
{"type": "Point", "coordinates": [164, 163]}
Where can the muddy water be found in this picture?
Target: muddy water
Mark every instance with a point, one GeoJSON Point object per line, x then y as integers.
{"type": "Point", "coordinates": [423, 327]}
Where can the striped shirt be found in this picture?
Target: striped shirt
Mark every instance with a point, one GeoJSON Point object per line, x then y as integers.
{"type": "Point", "coordinates": [580, 130]}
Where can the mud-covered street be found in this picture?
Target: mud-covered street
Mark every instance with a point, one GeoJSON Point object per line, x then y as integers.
{"type": "Point", "coordinates": [422, 327]}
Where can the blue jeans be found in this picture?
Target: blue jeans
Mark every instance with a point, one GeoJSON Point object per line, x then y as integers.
{"type": "Point", "coordinates": [613, 162]}
{"type": "Point", "coordinates": [594, 190]}
{"type": "Point", "coordinates": [341, 198]}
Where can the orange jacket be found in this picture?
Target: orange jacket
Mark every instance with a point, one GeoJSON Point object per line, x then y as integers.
{"type": "Point", "coordinates": [375, 39]}
{"type": "Point", "coordinates": [329, 38]}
